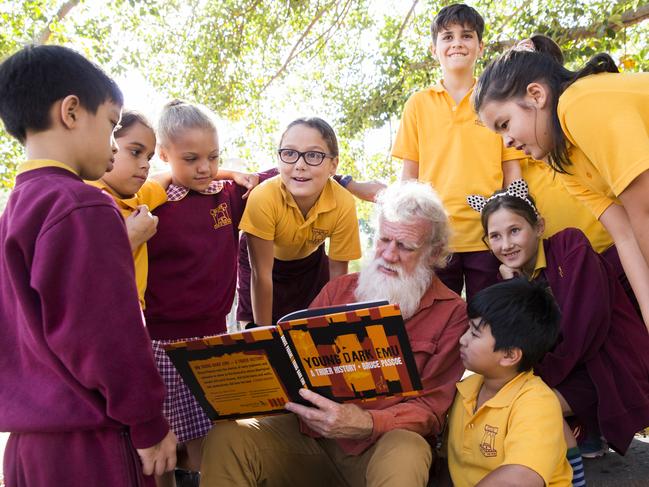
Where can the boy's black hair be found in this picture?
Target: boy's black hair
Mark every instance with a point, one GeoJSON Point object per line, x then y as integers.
{"type": "Point", "coordinates": [520, 314]}
{"type": "Point", "coordinates": [460, 14]}
{"type": "Point", "coordinates": [35, 77]}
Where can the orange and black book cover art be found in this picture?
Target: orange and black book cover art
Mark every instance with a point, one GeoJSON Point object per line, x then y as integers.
{"type": "Point", "coordinates": [356, 352]}
{"type": "Point", "coordinates": [352, 354]}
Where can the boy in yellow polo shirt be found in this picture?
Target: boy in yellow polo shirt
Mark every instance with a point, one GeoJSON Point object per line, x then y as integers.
{"type": "Point", "coordinates": [505, 426]}
{"type": "Point", "coordinates": [442, 142]}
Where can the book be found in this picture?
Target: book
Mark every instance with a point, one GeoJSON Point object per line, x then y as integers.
{"type": "Point", "coordinates": [356, 352]}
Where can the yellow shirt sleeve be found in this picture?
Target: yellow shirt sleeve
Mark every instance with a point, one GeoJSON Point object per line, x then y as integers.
{"type": "Point", "coordinates": [512, 154]}
{"type": "Point", "coordinates": [534, 434]}
{"type": "Point", "coordinates": [344, 243]}
{"type": "Point", "coordinates": [406, 144]}
{"type": "Point", "coordinates": [260, 214]}
{"type": "Point", "coordinates": [152, 194]}
{"type": "Point", "coordinates": [594, 201]}
{"type": "Point", "coordinates": [606, 117]}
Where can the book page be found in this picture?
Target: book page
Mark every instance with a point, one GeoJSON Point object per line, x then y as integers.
{"type": "Point", "coordinates": [238, 382]}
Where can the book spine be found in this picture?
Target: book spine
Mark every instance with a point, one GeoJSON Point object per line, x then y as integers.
{"type": "Point", "coordinates": [292, 357]}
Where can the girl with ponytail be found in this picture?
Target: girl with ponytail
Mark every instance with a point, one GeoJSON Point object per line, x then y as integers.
{"type": "Point", "coordinates": [591, 126]}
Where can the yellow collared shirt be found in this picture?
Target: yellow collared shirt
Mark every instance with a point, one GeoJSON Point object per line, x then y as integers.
{"type": "Point", "coordinates": [605, 118]}
{"type": "Point", "coordinates": [151, 194]}
{"type": "Point", "coordinates": [456, 154]}
{"type": "Point", "coordinates": [559, 208]}
{"type": "Point", "coordinates": [272, 214]}
{"type": "Point", "coordinates": [521, 425]}
{"type": "Point", "coordinates": [540, 263]}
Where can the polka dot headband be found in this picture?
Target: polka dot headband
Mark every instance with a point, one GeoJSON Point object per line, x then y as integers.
{"type": "Point", "coordinates": [518, 189]}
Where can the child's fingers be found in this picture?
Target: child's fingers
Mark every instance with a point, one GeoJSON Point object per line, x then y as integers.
{"type": "Point", "coordinates": [147, 465]}
{"type": "Point", "coordinates": [171, 462]}
{"type": "Point", "coordinates": [160, 466]}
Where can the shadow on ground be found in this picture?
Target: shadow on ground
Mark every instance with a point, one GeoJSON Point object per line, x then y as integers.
{"type": "Point", "coordinates": [631, 470]}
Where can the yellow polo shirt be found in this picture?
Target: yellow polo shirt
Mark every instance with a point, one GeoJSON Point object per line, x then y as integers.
{"type": "Point", "coordinates": [541, 262]}
{"type": "Point", "coordinates": [559, 208]}
{"type": "Point", "coordinates": [605, 118]}
{"type": "Point", "coordinates": [153, 195]}
{"type": "Point", "coordinates": [272, 214]}
{"type": "Point", "coordinates": [521, 425]}
{"type": "Point", "coordinates": [456, 154]}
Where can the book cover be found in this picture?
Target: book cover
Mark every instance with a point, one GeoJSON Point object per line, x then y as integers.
{"type": "Point", "coordinates": [357, 352]}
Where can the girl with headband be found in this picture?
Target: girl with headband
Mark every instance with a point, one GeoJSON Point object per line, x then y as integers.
{"type": "Point", "coordinates": [599, 368]}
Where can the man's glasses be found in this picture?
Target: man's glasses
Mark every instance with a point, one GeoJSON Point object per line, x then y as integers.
{"type": "Point", "coordinates": [312, 157]}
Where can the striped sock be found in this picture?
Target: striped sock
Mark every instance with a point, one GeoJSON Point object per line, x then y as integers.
{"type": "Point", "coordinates": [574, 457]}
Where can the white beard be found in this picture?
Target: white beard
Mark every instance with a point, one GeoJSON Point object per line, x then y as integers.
{"type": "Point", "coordinates": [406, 291]}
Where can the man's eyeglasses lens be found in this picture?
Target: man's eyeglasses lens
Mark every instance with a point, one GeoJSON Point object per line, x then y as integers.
{"type": "Point", "coordinates": [312, 158]}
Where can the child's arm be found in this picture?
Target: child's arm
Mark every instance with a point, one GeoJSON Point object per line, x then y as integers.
{"type": "Point", "coordinates": [512, 475]}
{"type": "Point", "coordinates": [245, 179]}
{"type": "Point", "coordinates": [410, 170]}
{"type": "Point", "coordinates": [162, 178]}
{"type": "Point", "coordinates": [261, 279]}
{"type": "Point", "coordinates": [616, 221]}
{"type": "Point", "coordinates": [159, 458]}
{"type": "Point", "coordinates": [511, 171]}
{"type": "Point", "coordinates": [365, 190]}
{"type": "Point", "coordinates": [141, 225]}
{"type": "Point", "coordinates": [337, 268]}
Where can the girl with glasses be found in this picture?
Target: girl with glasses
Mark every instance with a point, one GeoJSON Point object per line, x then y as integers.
{"type": "Point", "coordinates": [286, 222]}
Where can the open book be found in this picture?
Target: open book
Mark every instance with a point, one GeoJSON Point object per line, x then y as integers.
{"type": "Point", "coordinates": [354, 352]}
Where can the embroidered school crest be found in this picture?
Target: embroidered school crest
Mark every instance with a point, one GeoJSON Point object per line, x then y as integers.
{"type": "Point", "coordinates": [221, 216]}
{"type": "Point", "coordinates": [318, 236]}
{"type": "Point", "coordinates": [488, 442]}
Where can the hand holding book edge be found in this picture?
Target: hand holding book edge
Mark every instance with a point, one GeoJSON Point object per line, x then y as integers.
{"type": "Point", "coordinates": [333, 420]}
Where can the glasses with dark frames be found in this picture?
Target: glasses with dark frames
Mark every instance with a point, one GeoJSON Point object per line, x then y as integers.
{"type": "Point", "coordinates": [311, 157]}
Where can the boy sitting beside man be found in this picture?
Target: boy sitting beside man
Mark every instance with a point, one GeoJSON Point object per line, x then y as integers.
{"type": "Point", "coordinates": [505, 425]}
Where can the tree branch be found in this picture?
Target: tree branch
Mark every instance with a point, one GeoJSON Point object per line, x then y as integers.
{"type": "Point", "coordinates": [62, 12]}
{"type": "Point", "coordinates": [405, 21]}
{"type": "Point", "coordinates": [292, 54]}
{"type": "Point", "coordinates": [630, 17]}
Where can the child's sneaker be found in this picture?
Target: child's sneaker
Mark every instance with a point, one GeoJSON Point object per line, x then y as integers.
{"type": "Point", "coordinates": [593, 447]}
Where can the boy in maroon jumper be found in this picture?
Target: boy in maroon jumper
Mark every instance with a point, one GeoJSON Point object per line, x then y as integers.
{"type": "Point", "coordinates": [79, 390]}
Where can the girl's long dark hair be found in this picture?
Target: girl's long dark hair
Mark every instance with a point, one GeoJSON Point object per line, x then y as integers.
{"type": "Point", "coordinates": [509, 75]}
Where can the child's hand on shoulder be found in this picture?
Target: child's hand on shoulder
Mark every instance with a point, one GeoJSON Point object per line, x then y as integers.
{"type": "Point", "coordinates": [508, 272]}
{"type": "Point", "coordinates": [247, 180]}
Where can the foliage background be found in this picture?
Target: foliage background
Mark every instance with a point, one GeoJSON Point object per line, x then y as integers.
{"type": "Point", "coordinates": [254, 62]}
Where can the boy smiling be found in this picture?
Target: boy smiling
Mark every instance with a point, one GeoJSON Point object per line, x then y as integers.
{"type": "Point", "coordinates": [442, 142]}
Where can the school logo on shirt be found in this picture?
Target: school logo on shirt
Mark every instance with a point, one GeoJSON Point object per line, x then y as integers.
{"type": "Point", "coordinates": [221, 216]}
{"type": "Point", "coordinates": [318, 236]}
{"type": "Point", "coordinates": [488, 442]}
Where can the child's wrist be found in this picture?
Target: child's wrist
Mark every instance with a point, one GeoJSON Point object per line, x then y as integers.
{"type": "Point", "coordinates": [345, 180]}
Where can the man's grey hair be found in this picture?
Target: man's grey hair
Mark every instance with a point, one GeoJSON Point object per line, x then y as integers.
{"type": "Point", "coordinates": [404, 201]}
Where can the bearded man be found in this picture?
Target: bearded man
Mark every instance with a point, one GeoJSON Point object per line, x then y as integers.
{"type": "Point", "coordinates": [383, 442]}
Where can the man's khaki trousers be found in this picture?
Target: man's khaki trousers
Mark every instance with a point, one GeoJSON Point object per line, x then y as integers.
{"type": "Point", "coordinates": [272, 452]}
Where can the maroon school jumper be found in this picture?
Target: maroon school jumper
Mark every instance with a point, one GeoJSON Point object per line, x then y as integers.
{"type": "Point", "coordinates": [193, 263]}
{"type": "Point", "coordinates": [77, 376]}
{"type": "Point", "coordinates": [600, 364]}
